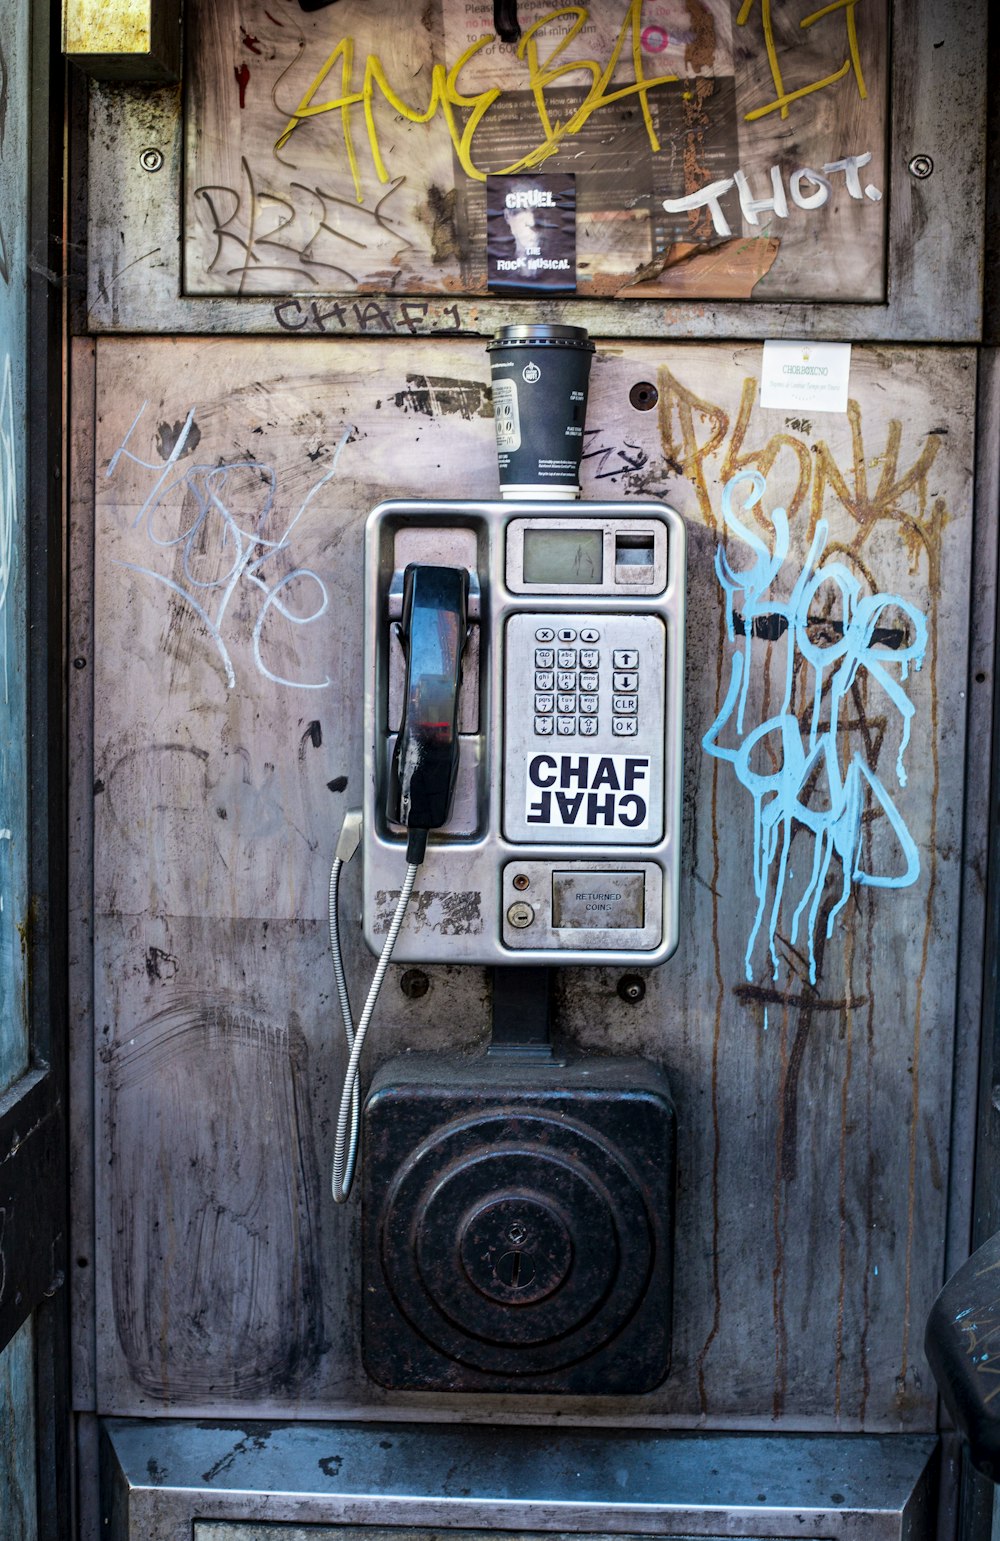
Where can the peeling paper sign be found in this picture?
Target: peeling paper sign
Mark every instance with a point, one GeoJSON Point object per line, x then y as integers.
{"type": "Point", "coordinates": [805, 377]}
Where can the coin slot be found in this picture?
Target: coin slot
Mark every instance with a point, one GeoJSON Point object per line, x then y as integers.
{"type": "Point", "coordinates": [633, 548]}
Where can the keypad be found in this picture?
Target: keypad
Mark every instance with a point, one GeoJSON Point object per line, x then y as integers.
{"type": "Point", "coordinates": [568, 683]}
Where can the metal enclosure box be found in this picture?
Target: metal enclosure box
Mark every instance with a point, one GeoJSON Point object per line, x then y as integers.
{"type": "Point", "coordinates": [518, 1224]}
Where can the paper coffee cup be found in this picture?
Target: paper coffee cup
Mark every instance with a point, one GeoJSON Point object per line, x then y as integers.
{"type": "Point", "coordinates": [540, 379]}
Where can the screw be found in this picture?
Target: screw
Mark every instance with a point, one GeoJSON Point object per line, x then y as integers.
{"type": "Point", "coordinates": [521, 881]}
{"type": "Point", "coordinates": [517, 1232]}
{"type": "Point", "coordinates": [414, 984]}
{"type": "Point", "coordinates": [631, 988]}
{"type": "Point", "coordinates": [79, 663]}
{"type": "Point", "coordinates": [644, 396]}
{"type": "Point", "coordinates": [151, 159]}
{"type": "Point", "coordinates": [921, 167]}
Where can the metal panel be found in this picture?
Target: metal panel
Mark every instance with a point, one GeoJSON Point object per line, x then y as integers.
{"type": "Point", "coordinates": [813, 1118]}
{"type": "Point", "coordinates": [18, 1491]}
{"type": "Point", "coordinates": [934, 273]}
{"type": "Point", "coordinates": [450, 1483]}
{"type": "Point", "coordinates": [14, 884]}
{"type": "Point", "coordinates": [348, 154]}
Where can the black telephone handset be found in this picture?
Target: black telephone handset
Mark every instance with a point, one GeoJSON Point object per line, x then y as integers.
{"type": "Point", "coordinates": [432, 633]}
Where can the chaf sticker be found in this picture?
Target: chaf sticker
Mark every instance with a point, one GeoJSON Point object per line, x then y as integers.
{"type": "Point", "coordinates": [588, 791]}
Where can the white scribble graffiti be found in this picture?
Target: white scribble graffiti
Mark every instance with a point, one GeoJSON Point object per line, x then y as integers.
{"type": "Point", "coordinates": [8, 500]}
{"type": "Point", "coordinates": [804, 750]}
{"type": "Point", "coordinates": [212, 488]}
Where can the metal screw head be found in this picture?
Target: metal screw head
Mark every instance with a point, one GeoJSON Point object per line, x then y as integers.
{"type": "Point", "coordinates": [631, 988]}
{"type": "Point", "coordinates": [414, 984]}
{"type": "Point", "coordinates": [521, 881]}
{"type": "Point", "coordinates": [921, 167]}
{"type": "Point", "coordinates": [644, 396]}
{"type": "Point", "coordinates": [151, 159]}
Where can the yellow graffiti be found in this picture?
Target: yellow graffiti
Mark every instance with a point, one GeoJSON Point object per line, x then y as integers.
{"type": "Point", "coordinates": [446, 95]}
{"type": "Point", "coordinates": [782, 97]}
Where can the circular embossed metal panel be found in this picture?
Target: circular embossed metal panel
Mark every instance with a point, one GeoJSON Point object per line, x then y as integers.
{"type": "Point", "coordinates": [517, 1243]}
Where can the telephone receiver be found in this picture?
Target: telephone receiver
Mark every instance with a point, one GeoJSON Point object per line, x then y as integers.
{"type": "Point", "coordinates": [433, 633]}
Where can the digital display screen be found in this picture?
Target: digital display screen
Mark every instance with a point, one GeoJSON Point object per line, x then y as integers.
{"type": "Point", "coordinates": [563, 556]}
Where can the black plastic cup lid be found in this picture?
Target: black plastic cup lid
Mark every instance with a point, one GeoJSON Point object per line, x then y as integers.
{"type": "Point", "coordinates": [541, 334]}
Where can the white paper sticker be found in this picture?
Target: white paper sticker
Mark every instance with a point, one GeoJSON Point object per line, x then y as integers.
{"type": "Point", "coordinates": [596, 791]}
{"type": "Point", "coordinates": [805, 376]}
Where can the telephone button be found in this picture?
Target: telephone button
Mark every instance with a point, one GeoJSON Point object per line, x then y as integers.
{"type": "Point", "coordinates": [626, 658]}
{"type": "Point", "coordinates": [588, 726]}
{"type": "Point", "coordinates": [589, 658]}
{"type": "Point", "coordinates": [588, 704]}
{"type": "Point", "coordinates": [544, 681]}
{"type": "Point", "coordinates": [544, 658]}
{"type": "Point", "coordinates": [625, 681]}
{"type": "Point", "coordinates": [544, 634]}
{"type": "Point", "coordinates": [624, 704]}
{"type": "Point", "coordinates": [589, 682]}
{"type": "Point", "coordinates": [543, 726]}
{"type": "Point", "coordinates": [565, 725]}
{"type": "Point", "coordinates": [567, 658]}
{"type": "Point", "coordinates": [567, 634]}
{"type": "Point", "coordinates": [624, 727]}
{"type": "Point", "coordinates": [567, 703]}
{"type": "Point", "coordinates": [566, 681]}
{"type": "Point", "coordinates": [590, 635]}
{"type": "Point", "coordinates": [543, 703]}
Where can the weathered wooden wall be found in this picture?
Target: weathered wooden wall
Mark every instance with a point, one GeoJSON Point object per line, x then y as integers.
{"type": "Point", "coordinates": [813, 1116]}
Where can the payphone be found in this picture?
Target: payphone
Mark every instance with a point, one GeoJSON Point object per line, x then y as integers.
{"type": "Point", "coordinates": [522, 805]}
{"type": "Point", "coordinates": [561, 638]}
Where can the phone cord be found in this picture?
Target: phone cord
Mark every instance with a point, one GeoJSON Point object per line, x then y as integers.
{"type": "Point", "coordinates": [345, 1149]}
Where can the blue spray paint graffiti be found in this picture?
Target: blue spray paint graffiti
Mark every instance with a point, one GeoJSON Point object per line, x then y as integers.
{"type": "Point", "coordinates": [804, 747]}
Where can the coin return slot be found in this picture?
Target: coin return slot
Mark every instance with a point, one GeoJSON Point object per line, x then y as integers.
{"type": "Point", "coordinates": [634, 556]}
{"type": "Point", "coordinates": [604, 901]}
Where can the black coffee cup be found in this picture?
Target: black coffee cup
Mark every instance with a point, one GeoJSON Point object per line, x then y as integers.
{"type": "Point", "coordinates": [540, 378]}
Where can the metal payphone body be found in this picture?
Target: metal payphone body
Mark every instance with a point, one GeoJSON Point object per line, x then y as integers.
{"type": "Point", "coordinates": [563, 839]}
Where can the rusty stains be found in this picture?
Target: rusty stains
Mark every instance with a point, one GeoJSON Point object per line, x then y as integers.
{"type": "Point", "coordinates": [699, 53]}
{"type": "Point", "coordinates": [720, 995]}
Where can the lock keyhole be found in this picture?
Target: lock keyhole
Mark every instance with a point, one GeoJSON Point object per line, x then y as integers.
{"type": "Point", "coordinates": [516, 1269]}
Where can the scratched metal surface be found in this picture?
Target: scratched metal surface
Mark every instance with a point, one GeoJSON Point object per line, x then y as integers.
{"type": "Point", "coordinates": [137, 225]}
{"type": "Point", "coordinates": [336, 152]}
{"type": "Point", "coordinates": [813, 1118]}
{"type": "Point", "coordinates": [14, 895]}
